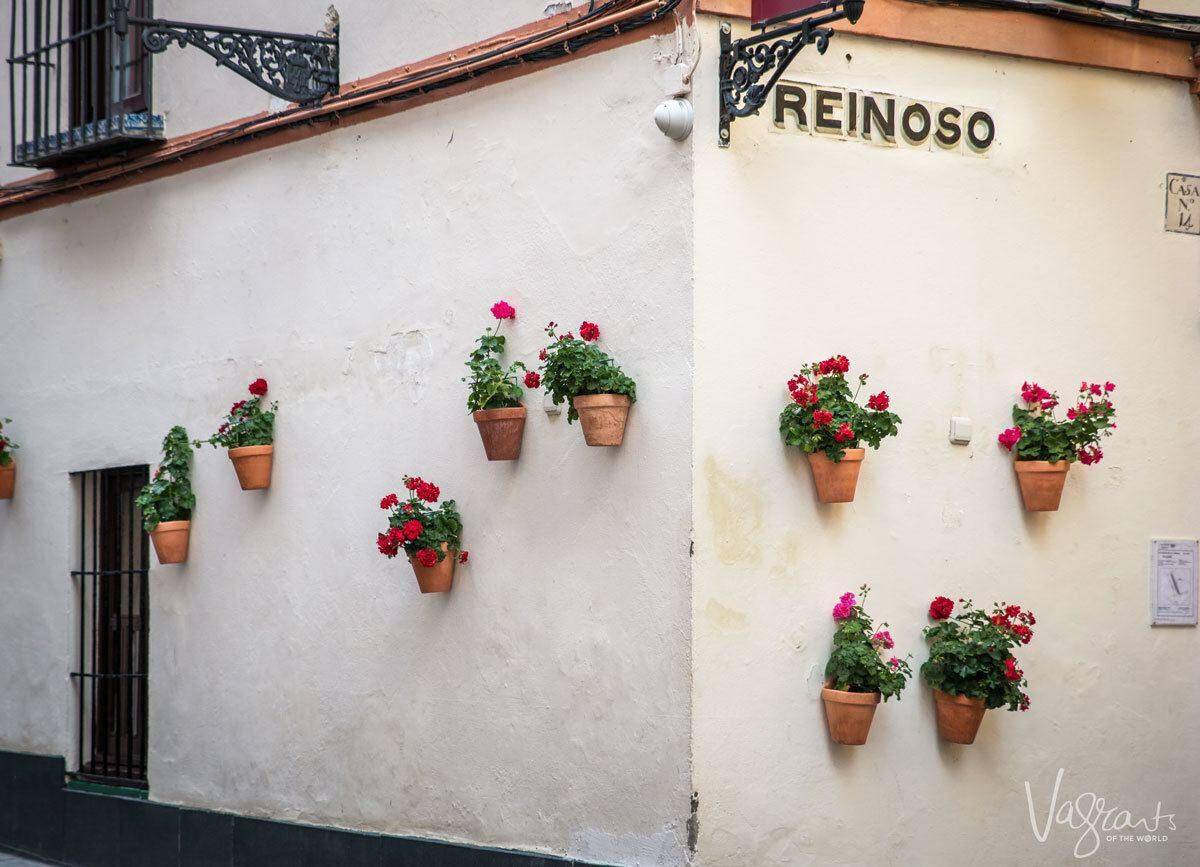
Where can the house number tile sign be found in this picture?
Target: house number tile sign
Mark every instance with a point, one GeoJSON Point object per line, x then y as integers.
{"type": "Point", "coordinates": [1183, 204]}
{"type": "Point", "coordinates": [1173, 575]}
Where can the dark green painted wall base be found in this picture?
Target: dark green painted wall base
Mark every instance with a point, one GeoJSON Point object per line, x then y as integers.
{"type": "Point", "coordinates": [42, 818]}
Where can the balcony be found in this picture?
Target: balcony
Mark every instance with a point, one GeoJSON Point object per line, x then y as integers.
{"type": "Point", "coordinates": [77, 89]}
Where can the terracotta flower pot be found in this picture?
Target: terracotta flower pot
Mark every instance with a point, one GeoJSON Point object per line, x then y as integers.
{"type": "Point", "coordinates": [849, 715]}
{"type": "Point", "coordinates": [8, 480]}
{"type": "Point", "coordinates": [603, 417]}
{"type": "Point", "coordinates": [836, 482]}
{"type": "Point", "coordinates": [501, 431]}
{"type": "Point", "coordinates": [253, 466]}
{"type": "Point", "coordinates": [958, 717]}
{"type": "Point", "coordinates": [171, 541]}
{"type": "Point", "coordinates": [438, 578]}
{"type": "Point", "coordinates": [1041, 483]}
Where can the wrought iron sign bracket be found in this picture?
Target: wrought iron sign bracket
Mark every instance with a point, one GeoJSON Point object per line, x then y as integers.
{"type": "Point", "coordinates": [291, 66]}
{"type": "Point", "coordinates": [745, 62]}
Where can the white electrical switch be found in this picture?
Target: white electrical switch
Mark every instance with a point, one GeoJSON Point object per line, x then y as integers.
{"type": "Point", "coordinates": [960, 430]}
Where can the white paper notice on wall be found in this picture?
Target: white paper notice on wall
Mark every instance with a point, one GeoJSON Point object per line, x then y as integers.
{"type": "Point", "coordinates": [1183, 204]}
{"type": "Point", "coordinates": [1173, 581]}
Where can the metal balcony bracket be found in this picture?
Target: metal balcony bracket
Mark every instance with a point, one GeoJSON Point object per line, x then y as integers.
{"type": "Point", "coordinates": [745, 63]}
{"type": "Point", "coordinates": [291, 66]}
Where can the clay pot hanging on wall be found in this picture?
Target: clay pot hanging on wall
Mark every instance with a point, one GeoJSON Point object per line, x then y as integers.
{"type": "Point", "coordinates": [849, 715]}
{"type": "Point", "coordinates": [501, 431]}
{"type": "Point", "coordinates": [8, 480]}
{"type": "Point", "coordinates": [603, 417]}
{"type": "Point", "coordinates": [958, 717]}
{"type": "Point", "coordinates": [836, 482]}
{"type": "Point", "coordinates": [253, 466]}
{"type": "Point", "coordinates": [171, 541]}
{"type": "Point", "coordinates": [1041, 483]}
{"type": "Point", "coordinates": [437, 578]}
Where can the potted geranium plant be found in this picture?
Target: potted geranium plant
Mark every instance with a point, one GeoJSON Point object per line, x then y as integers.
{"type": "Point", "coordinates": [575, 369]}
{"type": "Point", "coordinates": [1046, 446]}
{"type": "Point", "coordinates": [494, 400]}
{"type": "Point", "coordinates": [825, 420]}
{"type": "Point", "coordinates": [971, 668]}
{"type": "Point", "coordinates": [856, 676]}
{"type": "Point", "coordinates": [248, 431]}
{"type": "Point", "coordinates": [167, 502]}
{"type": "Point", "coordinates": [8, 467]}
{"type": "Point", "coordinates": [430, 537]}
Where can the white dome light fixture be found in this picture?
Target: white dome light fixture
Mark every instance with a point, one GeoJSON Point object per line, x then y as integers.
{"type": "Point", "coordinates": [675, 118]}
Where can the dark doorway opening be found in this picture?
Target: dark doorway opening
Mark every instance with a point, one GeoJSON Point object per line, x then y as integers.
{"type": "Point", "coordinates": [113, 581]}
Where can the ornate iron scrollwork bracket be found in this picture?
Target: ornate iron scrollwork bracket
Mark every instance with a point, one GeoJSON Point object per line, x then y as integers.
{"type": "Point", "coordinates": [292, 66]}
{"type": "Point", "coordinates": [744, 62]}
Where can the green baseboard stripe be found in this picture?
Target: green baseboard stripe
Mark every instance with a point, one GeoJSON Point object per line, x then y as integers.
{"type": "Point", "coordinates": [46, 817]}
{"type": "Point", "coordinates": [101, 789]}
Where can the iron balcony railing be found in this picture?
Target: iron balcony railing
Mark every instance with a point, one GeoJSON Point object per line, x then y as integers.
{"type": "Point", "coordinates": [76, 86]}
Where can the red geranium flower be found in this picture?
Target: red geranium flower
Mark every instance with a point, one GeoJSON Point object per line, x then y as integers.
{"type": "Point", "coordinates": [1011, 671]}
{"type": "Point", "coordinates": [412, 530]}
{"type": "Point", "coordinates": [589, 331]}
{"type": "Point", "coordinates": [389, 502]}
{"type": "Point", "coordinates": [1033, 393]}
{"type": "Point", "coordinates": [504, 310]}
{"type": "Point", "coordinates": [879, 402]}
{"type": "Point", "coordinates": [941, 608]}
{"type": "Point", "coordinates": [427, 557]}
{"type": "Point", "coordinates": [463, 557]}
{"type": "Point", "coordinates": [533, 379]}
{"type": "Point", "coordinates": [543, 355]}
{"type": "Point", "coordinates": [389, 543]}
{"type": "Point", "coordinates": [259, 387]}
{"type": "Point", "coordinates": [412, 482]}
{"type": "Point", "coordinates": [822, 417]}
{"type": "Point", "coordinates": [837, 364]}
{"type": "Point", "coordinates": [1010, 437]}
{"type": "Point", "coordinates": [429, 492]}
{"type": "Point", "coordinates": [844, 433]}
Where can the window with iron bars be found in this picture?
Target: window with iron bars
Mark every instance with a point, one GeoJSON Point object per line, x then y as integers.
{"type": "Point", "coordinates": [76, 88]}
{"type": "Point", "coordinates": [114, 558]}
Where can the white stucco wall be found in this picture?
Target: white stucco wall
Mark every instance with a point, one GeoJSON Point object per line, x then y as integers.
{"type": "Point", "coordinates": [950, 279]}
{"type": "Point", "coordinates": [295, 673]}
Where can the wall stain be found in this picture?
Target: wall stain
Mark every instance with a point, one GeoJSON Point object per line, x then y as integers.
{"type": "Point", "coordinates": [736, 510]}
{"type": "Point", "coordinates": [406, 357]}
{"type": "Point", "coordinates": [693, 823]}
{"type": "Point", "coordinates": [788, 553]}
{"type": "Point", "coordinates": [724, 619]}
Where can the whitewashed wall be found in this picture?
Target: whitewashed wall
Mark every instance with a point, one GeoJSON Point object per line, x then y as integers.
{"type": "Point", "coordinates": [295, 673]}
{"type": "Point", "coordinates": [950, 279]}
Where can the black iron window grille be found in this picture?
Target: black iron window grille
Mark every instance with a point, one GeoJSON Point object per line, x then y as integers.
{"type": "Point", "coordinates": [114, 558]}
{"type": "Point", "coordinates": [76, 86]}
